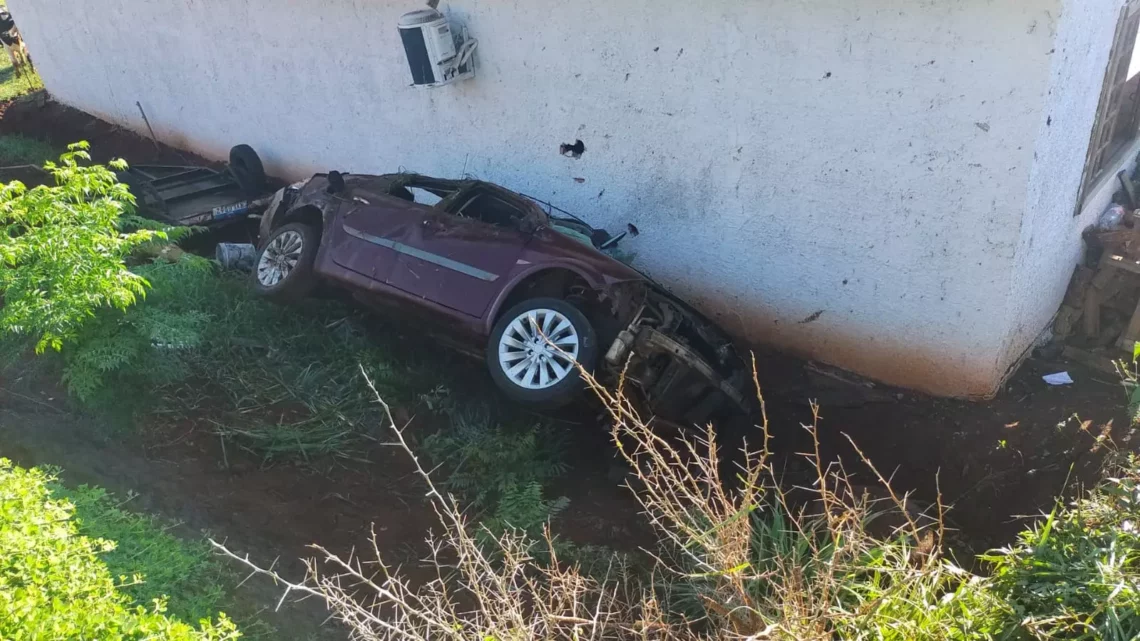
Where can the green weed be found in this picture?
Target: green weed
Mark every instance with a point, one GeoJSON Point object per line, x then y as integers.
{"type": "Point", "coordinates": [1076, 574]}
{"type": "Point", "coordinates": [280, 382]}
{"type": "Point", "coordinates": [499, 469]}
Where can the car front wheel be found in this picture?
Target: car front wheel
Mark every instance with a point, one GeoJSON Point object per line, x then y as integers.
{"type": "Point", "coordinates": [284, 266]}
{"type": "Point", "coordinates": [534, 349]}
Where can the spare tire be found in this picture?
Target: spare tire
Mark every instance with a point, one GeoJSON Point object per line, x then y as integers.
{"type": "Point", "coordinates": [247, 170]}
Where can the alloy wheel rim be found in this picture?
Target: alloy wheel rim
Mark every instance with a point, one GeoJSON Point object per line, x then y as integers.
{"type": "Point", "coordinates": [280, 258]}
{"type": "Point", "coordinates": [538, 349]}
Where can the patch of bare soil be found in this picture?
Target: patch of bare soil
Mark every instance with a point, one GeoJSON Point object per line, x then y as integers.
{"type": "Point", "coordinates": [37, 116]}
{"type": "Point", "coordinates": [993, 461]}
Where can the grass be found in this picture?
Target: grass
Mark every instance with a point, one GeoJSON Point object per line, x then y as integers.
{"type": "Point", "coordinates": [12, 85]}
{"type": "Point", "coordinates": [184, 571]}
{"type": "Point", "coordinates": [279, 382]}
{"type": "Point", "coordinates": [16, 149]}
{"type": "Point", "coordinates": [745, 560]}
{"type": "Point", "coordinates": [55, 585]}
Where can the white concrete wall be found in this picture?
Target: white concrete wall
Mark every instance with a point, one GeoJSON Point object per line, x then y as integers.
{"type": "Point", "coordinates": [1050, 242]}
{"type": "Point", "coordinates": [864, 159]}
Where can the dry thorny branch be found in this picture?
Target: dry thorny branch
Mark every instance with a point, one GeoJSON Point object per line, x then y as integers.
{"type": "Point", "coordinates": [708, 532]}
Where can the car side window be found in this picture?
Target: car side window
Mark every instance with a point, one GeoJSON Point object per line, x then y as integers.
{"type": "Point", "coordinates": [424, 197]}
{"type": "Point", "coordinates": [490, 209]}
{"type": "Point", "coordinates": [426, 194]}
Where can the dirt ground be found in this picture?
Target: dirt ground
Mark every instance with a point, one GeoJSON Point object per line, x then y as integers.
{"type": "Point", "coordinates": [37, 116]}
{"type": "Point", "coordinates": [992, 461]}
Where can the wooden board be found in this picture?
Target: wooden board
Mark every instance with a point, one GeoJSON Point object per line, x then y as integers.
{"type": "Point", "coordinates": [1091, 316]}
{"type": "Point", "coordinates": [1085, 357]}
{"type": "Point", "coordinates": [1120, 262]}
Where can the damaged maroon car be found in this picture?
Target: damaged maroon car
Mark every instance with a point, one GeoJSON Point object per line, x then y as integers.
{"type": "Point", "coordinates": [532, 291]}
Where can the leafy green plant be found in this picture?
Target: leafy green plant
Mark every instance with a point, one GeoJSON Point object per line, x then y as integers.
{"type": "Point", "coordinates": [146, 346]}
{"type": "Point", "coordinates": [523, 507]}
{"type": "Point", "coordinates": [1130, 379]}
{"type": "Point", "coordinates": [53, 584]}
{"type": "Point", "coordinates": [63, 250]}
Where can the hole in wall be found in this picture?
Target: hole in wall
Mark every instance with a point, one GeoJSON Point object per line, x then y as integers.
{"type": "Point", "coordinates": [573, 150]}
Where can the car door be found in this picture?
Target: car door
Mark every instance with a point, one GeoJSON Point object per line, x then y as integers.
{"type": "Point", "coordinates": [460, 254]}
{"type": "Point", "coordinates": [369, 233]}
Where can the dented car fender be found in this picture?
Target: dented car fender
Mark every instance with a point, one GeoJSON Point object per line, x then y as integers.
{"type": "Point", "coordinates": [311, 193]}
{"type": "Point", "coordinates": [526, 270]}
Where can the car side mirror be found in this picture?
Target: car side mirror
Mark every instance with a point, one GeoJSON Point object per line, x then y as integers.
{"type": "Point", "coordinates": [336, 182]}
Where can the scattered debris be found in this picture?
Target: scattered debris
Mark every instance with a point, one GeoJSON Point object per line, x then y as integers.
{"type": "Point", "coordinates": [1060, 378]}
{"type": "Point", "coordinates": [833, 387]}
{"type": "Point", "coordinates": [146, 120]}
{"type": "Point", "coordinates": [1101, 309]}
{"type": "Point", "coordinates": [1111, 219]}
{"type": "Point", "coordinates": [984, 126]}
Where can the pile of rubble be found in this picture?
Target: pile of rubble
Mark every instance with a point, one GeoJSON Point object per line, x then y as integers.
{"type": "Point", "coordinates": [1101, 312]}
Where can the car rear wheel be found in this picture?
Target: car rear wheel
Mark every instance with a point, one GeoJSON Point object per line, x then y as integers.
{"type": "Point", "coordinates": [283, 269]}
{"type": "Point", "coordinates": [533, 350]}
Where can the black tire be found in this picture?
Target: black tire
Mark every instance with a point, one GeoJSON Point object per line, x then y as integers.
{"type": "Point", "coordinates": [563, 391]}
{"type": "Point", "coordinates": [247, 170]}
{"type": "Point", "coordinates": [299, 282]}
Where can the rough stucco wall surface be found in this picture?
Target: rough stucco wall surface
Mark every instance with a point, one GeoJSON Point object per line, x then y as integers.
{"type": "Point", "coordinates": [1050, 240]}
{"type": "Point", "coordinates": [842, 178]}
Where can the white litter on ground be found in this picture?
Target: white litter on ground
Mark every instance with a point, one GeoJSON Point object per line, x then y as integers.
{"type": "Point", "coordinates": [1060, 378]}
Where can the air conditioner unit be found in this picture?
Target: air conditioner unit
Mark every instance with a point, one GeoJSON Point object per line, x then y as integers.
{"type": "Point", "coordinates": [436, 57]}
